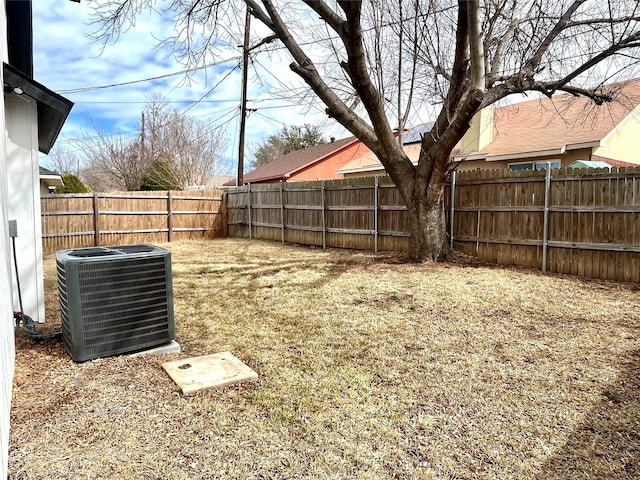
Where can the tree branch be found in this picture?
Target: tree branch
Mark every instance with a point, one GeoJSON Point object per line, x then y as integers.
{"type": "Point", "coordinates": [305, 68]}
{"type": "Point", "coordinates": [476, 51]}
{"type": "Point", "coordinates": [604, 21]}
{"type": "Point", "coordinates": [258, 13]}
{"type": "Point", "coordinates": [458, 77]}
{"type": "Point", "coordinates": [631, 41]}
{"type": "Point", "coordinates": [534, 61]}
{"type": "Point", "coordinates": [359, 74]}
{"type": "Point", "coordinates": [335, 21]}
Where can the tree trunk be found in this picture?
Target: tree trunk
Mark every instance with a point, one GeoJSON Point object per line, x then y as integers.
{"type": "Point", "coordinates": [427, 224]}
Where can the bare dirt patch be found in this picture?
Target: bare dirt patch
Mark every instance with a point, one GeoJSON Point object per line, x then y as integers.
{"type": "Point", "coordinates": [369, 368]}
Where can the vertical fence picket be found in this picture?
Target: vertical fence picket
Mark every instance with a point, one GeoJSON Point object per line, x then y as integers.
{"type": "Point", "coordinates": [545, 227]}
{"type": "Point", "coordinates": [96, 220]}
{"type": "Point", "coordinates": [376, 200]}
{"type": "Point", "coordinates": [478, 232]}
{"type": "Point", "coordinates": [249, 211]}
{"type": "Point", "coordinates": [324, 216]}
{"type": "Point", "coordinates": [282, 208]}
{"type": "Point", "coordinates": [169, 216]}
{"type": "Point", "coordinates": [453, 207]}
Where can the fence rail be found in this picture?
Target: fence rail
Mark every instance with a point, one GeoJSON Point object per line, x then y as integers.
{"type": "Point", "coordinates": [358, 213]}
{"type": "Point", "coordinates": [84, 220]}
{"type": "Point", "coordinates": [583, 222]}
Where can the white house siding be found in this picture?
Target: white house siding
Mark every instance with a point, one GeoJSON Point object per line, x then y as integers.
{"type": "Point", "coordinates": [24, 202]}
{"type": "Point", "coordinates": [7, 345]}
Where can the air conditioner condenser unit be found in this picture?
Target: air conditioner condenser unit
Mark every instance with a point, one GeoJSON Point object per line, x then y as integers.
{"type": "Point", "coordinates": [115, 300]}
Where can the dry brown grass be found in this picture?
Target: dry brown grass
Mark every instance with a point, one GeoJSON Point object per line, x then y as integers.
{"type": "Point", "coordinates": [369, 369]}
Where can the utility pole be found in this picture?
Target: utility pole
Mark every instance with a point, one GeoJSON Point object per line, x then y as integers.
{"type": "Point", "coordinates": [243, 99]}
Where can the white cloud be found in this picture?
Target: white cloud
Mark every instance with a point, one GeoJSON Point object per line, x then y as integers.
{"type": "Point", "coordinates": [66, 59]}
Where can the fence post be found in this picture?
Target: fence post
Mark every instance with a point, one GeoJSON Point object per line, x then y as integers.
{"type": "Point", "coordinates": [324, 225]}
{"type": "Point", "coordinates": [169, 216]}
{"type": "Point", "coordinates": [545, 228]}
{"type": "Point", "coordinates": [282, 207]}
{"type": "Point", "coordinates": [478, 232]}
{"type": "Point", "coordinates": [96, 220]}
{"type": "Point", "coordinates": [223, 213]}
{"type": "Point", "coordinates": [453, 201]}
{"type": "Point", "coordinates": [377, 209]}
{"type": "Point", "coordinates": [249, 210]}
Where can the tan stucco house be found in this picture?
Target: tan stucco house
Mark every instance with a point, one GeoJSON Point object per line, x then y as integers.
{"type": "Point", "coordinates": [526, 135]}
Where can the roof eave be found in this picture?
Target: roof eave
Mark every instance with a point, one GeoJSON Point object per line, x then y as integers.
{"type": "Point", "coordinates": [521, 155]}
{"type": "Point", "coordinates": [366, 168]}
{"type": "Point", "coordinates": [52, 180]}
{"type": "Point", "coordinates": [579, 146]}
{"type": "Point", "coordinates": [264, 179]}
{"type": "Point", "coordinates": [475, 156]}
{"type": "Point", "coordinates": [53, 109]}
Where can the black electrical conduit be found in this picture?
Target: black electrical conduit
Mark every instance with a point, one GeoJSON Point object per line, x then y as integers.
{"type": "Point", "coordinates": [20, 318]}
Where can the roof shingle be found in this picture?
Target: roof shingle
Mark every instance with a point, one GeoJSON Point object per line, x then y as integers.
{"type": "Point", "coordinates": [284, 166]}
{"type": "Point", "coordinates": [559, 122]}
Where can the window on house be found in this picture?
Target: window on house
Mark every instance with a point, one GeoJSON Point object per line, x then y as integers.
{"type": "Point", "coordinates": [533, 165]}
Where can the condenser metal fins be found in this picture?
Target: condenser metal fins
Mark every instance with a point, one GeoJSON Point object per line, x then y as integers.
{"type": "Point", "coordinates": [115, 300]}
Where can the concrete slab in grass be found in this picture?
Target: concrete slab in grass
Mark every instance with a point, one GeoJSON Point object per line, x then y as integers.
{"type": "Point", "coordinates": [207, 371]}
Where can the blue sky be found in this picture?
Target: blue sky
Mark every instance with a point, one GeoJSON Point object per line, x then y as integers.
{"type": "Point", "coordinates": [66, 61]}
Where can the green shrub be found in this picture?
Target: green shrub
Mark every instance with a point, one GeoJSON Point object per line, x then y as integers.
{"type": "Point", "coordinates": [72, 184]}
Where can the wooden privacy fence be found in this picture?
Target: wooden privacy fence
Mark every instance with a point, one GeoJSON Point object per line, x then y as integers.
{"type": "Point", "coordinates": [84, 220]}
{"type": "Point", "coordinates": [582, 222]}
{"type": "Point", "coordinates": [578, 221]}
{"type": "Point", "coordinates": [362, 213]}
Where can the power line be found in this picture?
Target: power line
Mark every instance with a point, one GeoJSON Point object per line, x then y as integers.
{"type": "Point", "coordinates": [135, 132]}
{"type": "Point", "coordinates": [111, 85]}
{"type": "Point", "coordinates": [140, 102]}
{"type": "Point", "coordinates": [181, 114]}
{"type": "Point", "coordinates": [211, 90]}
{"type": "Point", "coordinates": [272, 121]}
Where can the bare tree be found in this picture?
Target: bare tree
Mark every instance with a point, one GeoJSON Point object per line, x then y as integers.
{"type": "Point", "coordinates": [62, 159]}
{"type": "Point", "coordinates": [113, 162]}
{"type": "Point", "coordinates": [172, 151]}
{"type": "Point", "coordinates": [466, 55]}
{"type": "Point", "coordinates": [183, 149]}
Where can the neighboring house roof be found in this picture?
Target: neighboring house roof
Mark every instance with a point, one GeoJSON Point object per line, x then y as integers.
{"type": "Point", "coordinates": [212, 181]}
{"type": "Point", "coordinates": [546, 126]}
{"type": "Point", "coordinates": [53, 109]}
{"type": "Point", "coordinates": [550, 126]}
{"type": "Point", "coordinates": [613, 163]}
{"type": "Point", "coordinates": [285, 166]}
{"type": "Point", "coordinates": [589, 164]}
{"type": "Point", "coordinates": [52, 179]}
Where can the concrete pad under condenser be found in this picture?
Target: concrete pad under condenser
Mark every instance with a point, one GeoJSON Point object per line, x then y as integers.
{"type": "Point", "coordinates": [171, 347]}
{"type": "Point", "coordinates": [207, 371]}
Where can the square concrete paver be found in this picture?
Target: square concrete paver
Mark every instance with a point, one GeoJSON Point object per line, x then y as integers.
{"type": "Point", "coordinates": [207, 371]}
